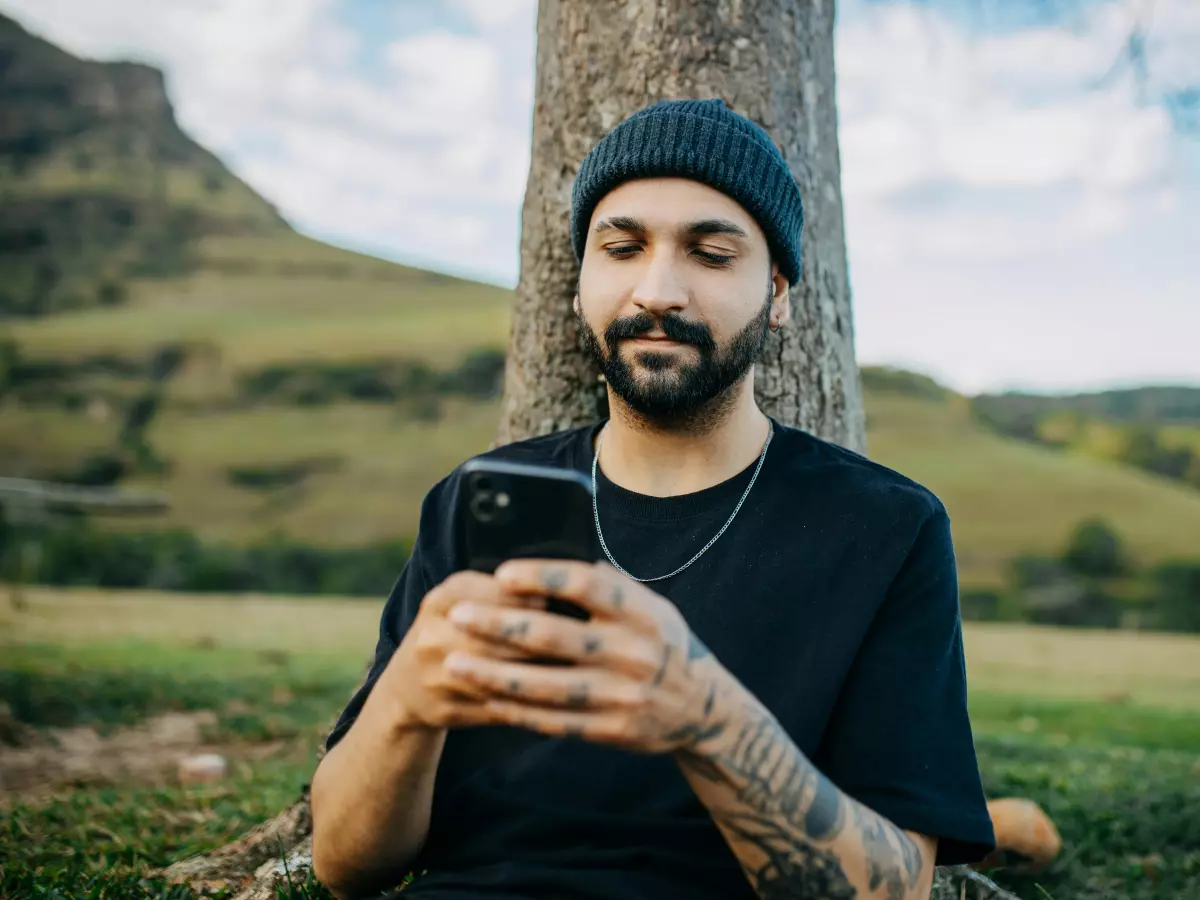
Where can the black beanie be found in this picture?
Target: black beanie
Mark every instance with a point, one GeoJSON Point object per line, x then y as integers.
{"type": "Point", "coordinates": [705, 141]}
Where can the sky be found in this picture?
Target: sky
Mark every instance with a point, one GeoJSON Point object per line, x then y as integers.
{"type": "Point", "coordinates": [1022, 196]}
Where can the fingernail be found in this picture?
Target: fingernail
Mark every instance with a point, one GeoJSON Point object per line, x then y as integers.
{"type": "Point", "coordinates": [463, 614]}
{"type": "Point", "coordinates": [458, 662]}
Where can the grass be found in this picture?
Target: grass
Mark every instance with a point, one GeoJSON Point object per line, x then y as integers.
{"type": "Point", "coordinates": [268, 299]}
{"type": "Point", "coordinates": [1119, 776]}
{"type": "Point", "coordinates": [258, 696]}
{"type": "Point", "coordinates": [1127, 816]}
{"type": "Point", "coordinates": [103, 842]}
{"type": "Point", "coordinates": [1007, 497]}
{"type": "Point", "coordinates": [1120, 669]}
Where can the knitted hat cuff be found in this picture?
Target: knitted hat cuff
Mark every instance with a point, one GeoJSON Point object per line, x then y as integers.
{"type": "Point", "coordinates": [718, 147]}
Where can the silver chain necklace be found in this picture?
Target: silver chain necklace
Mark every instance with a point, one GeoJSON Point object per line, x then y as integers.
{"type": "Point", "coordinates": [596, 511]}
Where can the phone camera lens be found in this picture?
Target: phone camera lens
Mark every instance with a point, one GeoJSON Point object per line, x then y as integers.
{"type": "Point", "coordinates": [483, 506]}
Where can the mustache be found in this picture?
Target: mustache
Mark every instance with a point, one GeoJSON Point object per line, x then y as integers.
{"type": "Point", "coordinates": [674, 327]}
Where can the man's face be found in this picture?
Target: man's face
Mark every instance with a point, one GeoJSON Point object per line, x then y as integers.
{"type": "Point", "coordinates": [676, 292]}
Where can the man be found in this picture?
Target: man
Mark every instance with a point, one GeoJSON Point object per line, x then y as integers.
{"type": "Point", "coordinates": [769, 697]}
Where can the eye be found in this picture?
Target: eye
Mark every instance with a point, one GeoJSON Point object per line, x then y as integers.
{"type": "Point", "coordinates": [716, 260]}
{"type": "Point", "coordinates": [623, 251]}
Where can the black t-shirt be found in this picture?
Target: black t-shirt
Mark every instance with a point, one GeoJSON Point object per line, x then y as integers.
{"type": "Point", "coordinates": [832, 597]}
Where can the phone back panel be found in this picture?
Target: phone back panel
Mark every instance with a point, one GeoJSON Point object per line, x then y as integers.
{"type": "Point", "coordinates": [513, 510]}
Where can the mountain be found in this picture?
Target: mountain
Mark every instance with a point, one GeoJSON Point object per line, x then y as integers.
{"type": "Point", "coordinates": [98, 182]}
{"type": "Point", "coordinates": [1154, 404]}
{"type": "Point", "coordinates": [1152, 428]}
{"type": "Point", "coordinates": [167, 329]}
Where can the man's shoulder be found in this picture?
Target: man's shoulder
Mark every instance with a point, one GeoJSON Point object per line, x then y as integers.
{"type": "Point", "coordinates": [850, 479]}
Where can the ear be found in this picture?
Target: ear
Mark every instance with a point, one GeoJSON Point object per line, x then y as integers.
{"type": "Point", "coordinates": [575, 305]}
{"type": "Point", "coordinates": [781, 305]}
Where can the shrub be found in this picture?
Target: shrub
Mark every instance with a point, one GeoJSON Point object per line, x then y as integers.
{"type": "Point", "coordinates": [110, 293]}
{"type": "Point", "coordinates": [1094, 550]}
{"type": "Point", "coordinates": [75, 553]}
{"type": "Point", "coordinates": [98, 470]}
{"type": "Point", "coordinates": [1176, 595]}
{"type": "Point", "coordinates": [280, 475]}
{"type": "Point", "coordinates": [979, 605]}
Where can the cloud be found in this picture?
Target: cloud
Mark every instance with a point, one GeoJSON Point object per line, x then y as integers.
{"type": "Point", "coordinates": [424, 155]}
{"type": "Point", "coordinates": [956, 142]}
{"type": "Point", "coordinates": [927, 104]}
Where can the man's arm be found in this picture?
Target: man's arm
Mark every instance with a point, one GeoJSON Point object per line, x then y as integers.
{"type": "Point", "coordinates": [794, 833]}
{"type": "Point", "coordinates": [371, 799]}
{"type": "Point", "coordinates": [642, 681]}
{"type": "Point", "coordinates": [372, 795]}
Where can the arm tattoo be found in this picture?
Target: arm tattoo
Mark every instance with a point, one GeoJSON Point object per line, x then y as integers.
{"type": "Point", "coordinates": [897, 871]}
{"type": "Point", "coordinates": [793, 870]}
{"type": "Point", "coordinates": [788, 824]}
{"type": "Point", "coordinates": [785, 808]}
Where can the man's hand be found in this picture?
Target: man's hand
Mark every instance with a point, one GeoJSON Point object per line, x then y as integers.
{"type": "Point", "coordinates": [420, 690]}
{"type": "Point", "coordinates": [636, 677]}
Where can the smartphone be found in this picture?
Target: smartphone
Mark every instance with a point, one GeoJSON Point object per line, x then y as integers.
{"type": "Point", "coordinates": [516, 510]}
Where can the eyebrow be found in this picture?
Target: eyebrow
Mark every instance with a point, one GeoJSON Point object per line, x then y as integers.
{"type": "Point", "coordinates": [620, 223]}
{"type": "Point", "coordinates": [714, 226]}
{"type": "Point", "coordinates": [691, 229]}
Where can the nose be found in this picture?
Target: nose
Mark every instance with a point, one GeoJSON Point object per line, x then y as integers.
{"type": "Point", "coordinates": [660, 289]}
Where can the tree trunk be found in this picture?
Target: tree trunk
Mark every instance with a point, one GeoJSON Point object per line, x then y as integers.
{"type": "Point", "coordinates": [597, 62]}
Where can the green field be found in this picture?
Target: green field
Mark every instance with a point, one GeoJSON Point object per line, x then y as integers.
{"type": "Point", "coordinates": [257, 301]}
{"type": "Point", "coordinates": [1101, 729]}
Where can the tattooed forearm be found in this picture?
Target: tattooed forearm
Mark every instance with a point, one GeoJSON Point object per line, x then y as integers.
{"type": "Point", "coordinates": [893, 858]}
{"type": "Point", "coordinates": [795, 834]}
{"type": "Point", "coordinates": [791, 871]}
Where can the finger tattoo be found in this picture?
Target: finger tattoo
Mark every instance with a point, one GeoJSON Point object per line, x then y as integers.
{"type": "Point", "coordinates": [578, 697]}
{"type": "Point", "coordinates": [618, 597]}
{"type": "Point", "coordinates": [554, 578]}
{"type": "Point", "coordinates": [518, 629]}
{"type": "Point", "coordinates": [662, 669]}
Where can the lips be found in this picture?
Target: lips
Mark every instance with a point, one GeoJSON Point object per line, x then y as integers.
{"type": "Point", "coordinates": [655, 340]}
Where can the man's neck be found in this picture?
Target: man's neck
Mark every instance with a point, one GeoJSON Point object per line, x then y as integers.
{"type": "Point", "coordinates": [664, 463]}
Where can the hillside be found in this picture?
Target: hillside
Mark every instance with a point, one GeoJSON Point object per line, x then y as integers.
{"type": "Point", "coordinates": [273, 384]}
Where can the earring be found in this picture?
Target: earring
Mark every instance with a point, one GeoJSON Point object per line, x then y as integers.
{"type": "Point", "coordinates": [774, 326]}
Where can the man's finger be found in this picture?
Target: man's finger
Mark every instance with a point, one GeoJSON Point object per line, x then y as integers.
{"type": "Point", "coordinates": [476, 587]}
{"type": "Point", "coordinates": [598, 588]}
{"type": "Point", "coordinates": [570, 687]}
{"type": "Point", "coordinates": [542, 634]}
{"type": "Point", "coordinates": [608, 727]}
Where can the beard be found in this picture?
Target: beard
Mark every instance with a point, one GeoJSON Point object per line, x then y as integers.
{"type": "Point", "coordinates": [664, 388]}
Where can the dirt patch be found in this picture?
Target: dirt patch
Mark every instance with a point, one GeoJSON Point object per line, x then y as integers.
{"type": "Point", "coordinates": [36, 760]}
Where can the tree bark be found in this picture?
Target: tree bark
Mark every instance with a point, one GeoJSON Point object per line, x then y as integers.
{"type": "Point", "coordinates": [597, 62]}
